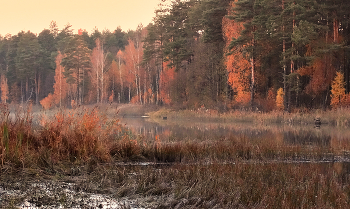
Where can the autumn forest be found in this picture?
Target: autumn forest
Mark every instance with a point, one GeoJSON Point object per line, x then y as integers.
{"type": "Point", "coordinates": [222, 54]}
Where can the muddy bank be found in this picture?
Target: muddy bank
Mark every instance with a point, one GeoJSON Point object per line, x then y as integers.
{"type": "Point", "coordinates": [236, 185]}
{"type": "Point", "coordinates": [73, 188]}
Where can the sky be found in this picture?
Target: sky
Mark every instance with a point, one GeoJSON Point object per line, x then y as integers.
{"type": "Point", "coordinates": [36, 15]}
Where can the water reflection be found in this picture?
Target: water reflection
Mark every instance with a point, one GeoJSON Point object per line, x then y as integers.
{"type": "Point", "coordinates": [189, 130]}
{"type": "Point", "coordinates": [306, 137]}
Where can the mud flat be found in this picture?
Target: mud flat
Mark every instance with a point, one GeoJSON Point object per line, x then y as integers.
{"type": "Point", "coordinates": [46, 191]}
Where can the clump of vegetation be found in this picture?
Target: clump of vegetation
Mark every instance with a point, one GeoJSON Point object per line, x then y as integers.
{"type": "Point", "coordinates": [80, 135]}
{"type": "Point", "coordinates": [68, 136]}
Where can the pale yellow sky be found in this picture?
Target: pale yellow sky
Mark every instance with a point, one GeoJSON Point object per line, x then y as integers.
{"type": "Point", "coordinates": [36, 15]}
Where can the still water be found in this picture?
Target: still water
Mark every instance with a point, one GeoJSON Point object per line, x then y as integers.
{"type": "Point", "coordinates": [178, 130]}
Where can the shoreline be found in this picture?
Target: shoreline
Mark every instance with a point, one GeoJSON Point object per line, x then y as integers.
{"type": "Point", "coordinates": [340, 117]}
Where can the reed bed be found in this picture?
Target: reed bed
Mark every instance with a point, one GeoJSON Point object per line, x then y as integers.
{"type": "Point", "coordinates": [227, 172]}
{"type": "Point", "coordinates": [239, 185]}
{"type": "Point", "coordinates": [337, 117]}
{"type": "Point", "coordinates": [77, 136]}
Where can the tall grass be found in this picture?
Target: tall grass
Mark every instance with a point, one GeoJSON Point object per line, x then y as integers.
{"type": "Point", "coordinates": [239, 185]}
{"type": "Point", "coordinates": [74, 136]}
{"type": "Point", "coordinates": [337, 117]}
{"type": "Point", "coordinates": [77, 136]}
{"type": "Point", "coordinates": [228, 172]}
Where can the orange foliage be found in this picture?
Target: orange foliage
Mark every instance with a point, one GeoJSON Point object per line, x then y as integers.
{"type": "Point", "coordinates": [48, 102]}
{"type": "Point", "coordinates": [81, 132]}
{"type": "Point", "coordinates": [80, 31]}
{"type": "Point", "coordinates": [134, 99]}
{"type": "Point", "coordinates": [149, 96]}
{"type": "Point", "coordinates": [133, 73]}
{"type": "Point", "coordinates": [166, 77]}
{"type": "Point", "coordinates": [280, 99]}
{"type": "Point", "coordinates": [132, 61]}
{"type": "Point", "coordinates": [98, 76]}
{"type": "Point", "coordinates": [90, 121]}
{"type": "Point", "coordinates": [236, 65]}
{"type": "Point", "coordinates": [4, 89]}
{"type": "Point", "coordinates": [268, 103]}
{"type": "Point", "coordinates": [339, 98]}
{"type": "Point", "coordinates": [60, 87]}
{"type": "Point", "coordinates": [321, 73]}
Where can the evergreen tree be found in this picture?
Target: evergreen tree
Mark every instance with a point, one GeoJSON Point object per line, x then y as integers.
{"type": "Point", "coordinates": [246, 11]}
{"type": "Point", "coordinates": [76, 63]}
{"type": "Point", "coordinates": [48, 52]}
{"type": "Point", "coordinates": [27, 66]}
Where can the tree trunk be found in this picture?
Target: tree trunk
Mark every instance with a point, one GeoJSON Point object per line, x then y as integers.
{"type": "Point", "coordinates": [121, 81]}
{"type": "Point", "coordinates": [137, 87]}
{"type": "Point", "coordinates": [102, 73]}
{"type": "Point", "coordinates": [60, 82]}
{"type": "Point", "coordinates": [157, 85]}
{"type": "Point", "coordinates": [36, 89]}
{"type": "Point", "coordinates": [78, 87]}
{"type": "Point", "coordinates": [97, 83]}
{"type": "Point", "coordinates": [335, 30]}
{"type": "Point", "coordinates": [285, 97]}
{"type": "Point", "coordinates": [129, 92]}
{"type": "Point", "coordinates": [252, 85]}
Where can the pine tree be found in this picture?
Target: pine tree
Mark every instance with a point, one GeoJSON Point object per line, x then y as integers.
{"type": "Point", "coordinates": [27, 65]}
{"type": "Point", "coordinates": [244, 12]}
{"type": "Point", "coordinates": [236, 64]}
{"type": "Point", "coordinates": [76, 62]}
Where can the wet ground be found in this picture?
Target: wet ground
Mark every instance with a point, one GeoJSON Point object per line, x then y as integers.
{"type": "Point", "coordinates": [76, 188]}
{"type": "Point", "coordinates": [36, 189]}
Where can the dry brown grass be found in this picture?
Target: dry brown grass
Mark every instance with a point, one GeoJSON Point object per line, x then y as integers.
{"type": "Point", "coordinates": [74, 136]}
{"type": "Point", "coordinates": [82, 134]}
{"type": "Point", "coordinates": [239, 185]}
{"type": "Point", "coordinates": [338, 117]}
{"type": "Point", "coordinates": [229, 172]}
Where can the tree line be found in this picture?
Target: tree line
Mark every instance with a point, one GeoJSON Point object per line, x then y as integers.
{"type": "Point", "coordinates": [34, 67]}
{"type": "Point", "coordinates": [261, 54]}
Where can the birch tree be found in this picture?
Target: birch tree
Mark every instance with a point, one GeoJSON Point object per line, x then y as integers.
{"type": "Point", "coordinates": [98, 60]}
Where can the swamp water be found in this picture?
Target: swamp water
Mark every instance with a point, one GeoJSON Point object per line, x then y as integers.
{"type": "Point", "coordinates": [323, 137]}
{"type": "Point", "coordinates": [182, 130]}
{"type": "Point", "coordinates": [62, 194]}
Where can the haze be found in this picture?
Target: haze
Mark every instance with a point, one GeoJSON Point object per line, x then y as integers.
{"type": "Point", "coordinates": [36, 15]}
